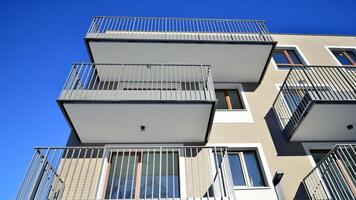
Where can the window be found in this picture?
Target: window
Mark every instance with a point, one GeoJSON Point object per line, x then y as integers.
{"type": "Point", "coordinates": [319, 154]}
{"type": "Point", "coordinates": [137, 175]}
{"type": "Point", "coordinates": [246, 169]}
{"type": "Point", "coordinates": [286, 58]}
{"type": "Point", "coordinates": [229, 99]}
{"type": "Point", "coordinates": [345, 57]}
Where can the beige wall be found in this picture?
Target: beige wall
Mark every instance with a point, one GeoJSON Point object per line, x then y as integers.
{"type": "Point", "coordinates": [280, 153]}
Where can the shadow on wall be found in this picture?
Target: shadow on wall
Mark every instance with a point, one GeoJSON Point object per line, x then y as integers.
{"type": "Point", "coordinates": [282, 145]}
{"type": "Point", "coordinates": [301, 193]}
{"type": "Point", "coordinates": [250, 87]}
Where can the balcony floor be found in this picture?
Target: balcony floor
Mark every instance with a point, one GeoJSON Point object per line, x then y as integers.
{"type": "Point", "coordinates": [121, 122]}
{"type": "Point", "coordinates": [231, 62]}
{"type": "Point", "coordinates": [327, 121]}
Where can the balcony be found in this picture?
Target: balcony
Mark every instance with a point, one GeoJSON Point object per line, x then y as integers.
{"type": "Point", "coordinates": [318, 103]}
{"type": "Point", "coordinates": [239, 50]}
{"type": "Point", "coordinates": [128, 103]}
{"type": "Point", "coordinates": [128, 173]}
{"type": "Point", "coordinates": [334, 177]}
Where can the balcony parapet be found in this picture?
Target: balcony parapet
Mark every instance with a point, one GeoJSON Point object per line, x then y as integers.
{"type": "Point", "coordinates": [158, 172]}
{"type": "Point", "coordinates": [312, 84]}
{"type": "Point", "coordinates": [334, 177]}
{"type": "Point", "coordinates": [178, 29]}
{"type": "Point", "coordinates": [138, 82]}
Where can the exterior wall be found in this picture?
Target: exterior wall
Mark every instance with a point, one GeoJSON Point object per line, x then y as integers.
{"type": "Point", "coordinates": [281, 154]}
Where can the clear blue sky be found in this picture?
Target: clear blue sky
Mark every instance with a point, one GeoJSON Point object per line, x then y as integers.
{"type": "Point", "coordinates": [40, 39]}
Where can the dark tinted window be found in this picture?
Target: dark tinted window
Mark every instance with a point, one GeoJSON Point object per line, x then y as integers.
{"type": "Point", "coordinates": [342, 58]}
{"type": "Point", "coordinates": [319, 154]}
{"type": "Point", "coordinates": [253, 168]}
{"type": "Point", "coordinates": [294, 57]}
{"type": "Point", "coordinates": [280, 58]}
{"type": "Point", "coordinates": [220, 95]}
{"type": "Point", "coordinates": [286, 58]}
{"type": "Point", "coordinates": [235, 99]}
{"type": "Point", "coordinates": [236, 170]}
{"type": "Point", "coordinates": [346, 57]}
{"type": "Point", "coordinates": [229, 99]}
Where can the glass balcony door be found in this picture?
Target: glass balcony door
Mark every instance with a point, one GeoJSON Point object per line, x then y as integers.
{"type": "Point", "coordinates": [135, 175]}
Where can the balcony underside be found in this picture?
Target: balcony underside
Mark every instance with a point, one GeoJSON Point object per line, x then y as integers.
{"type": "Point", "coordinates": [327, 121]}
{"type": "Point", "coordinates": [241, 61]}
{"type": "Point", "coordinates": [122, 121]}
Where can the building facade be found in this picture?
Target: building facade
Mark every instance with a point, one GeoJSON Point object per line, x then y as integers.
{"type": "Point", "coordinates": [203, 108]}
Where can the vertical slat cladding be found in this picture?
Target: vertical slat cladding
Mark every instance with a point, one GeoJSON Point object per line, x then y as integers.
{"type": "Point", "coordinates": [304, 84]}
{"type": "Point", "coordinates": [334, 176]}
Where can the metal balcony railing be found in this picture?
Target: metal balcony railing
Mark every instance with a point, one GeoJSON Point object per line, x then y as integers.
{"type": "Point", "coordinates": [194, 29]}
{"type": "Point", "coordinates": [128, 173]}
{"type": "Point", "coordinates": [139, 82]}
{"type": "Point", "coordinates": [334, 177]}
{"type": "Point", "coordinates": [312, 83]}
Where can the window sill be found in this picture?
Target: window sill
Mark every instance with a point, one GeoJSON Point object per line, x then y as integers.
{"type": "Point", "coordinates": [251, 188]}
{"type": "Point", "coordinates": [230, 110]}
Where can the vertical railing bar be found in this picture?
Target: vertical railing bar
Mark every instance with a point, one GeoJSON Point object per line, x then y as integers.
{"type": "Point", "coordinates": [167, 191]}
{"type": "Point", "coordinates": [341, 71]}
{"type": "Point", "coordinates": [32, 192]}
{"type": "Point", "coordinates": [120, 173]}
{"type": "Point", "coordinates": [336, 179]}
{"type": "Point", "coordinates": [153, 171]}
{"type": "Point", "coordinates": [114, 171]}
{"type": "Point", "coordinates": [25, 178]}
{"type": "Point", "coordinates": [133, 174]}
{"type": "Point", "coordinates": [127, 173]}
{"type": "Point", "coordinates": [148, 158]}
{"type": "Point", "coordinates": [192, 165]}
{"type": "Point", "coordinates": [173, 173]}
{"type": "Point", "coordinates": [160, 173]}
{"type": "Point", "coordinates": [328, 179]}
{"type": "Point", "coordinates": [44, 176]}
{"type": "Point", "coordinates": [198, 172]}
{"type": "Point", "coordinates": [52, 187]}
{"type": "Point", "coordinates": [218, 171]}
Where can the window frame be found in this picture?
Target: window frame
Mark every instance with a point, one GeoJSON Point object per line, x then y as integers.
{"type": "Point", "coordinates": [227, 99]}
{"type": "Point", "coordinates": [291, 64]}
{"type": "Point", "coordinates": [343, 50]}
{"type": "Point", "coordinates": [248, 184]}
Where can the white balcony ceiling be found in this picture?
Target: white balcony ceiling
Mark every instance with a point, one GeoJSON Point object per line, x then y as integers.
{"type": "Point", "coordinates": [327, 122]}
{"type": "Point", "coordinates": [121, 122]}
{"type": "Point", "coordinates": [230, 62]}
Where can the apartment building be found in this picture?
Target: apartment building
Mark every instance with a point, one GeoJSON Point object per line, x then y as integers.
{"type": "Point", "coordinates": [171, 108]}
